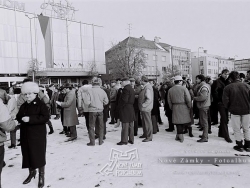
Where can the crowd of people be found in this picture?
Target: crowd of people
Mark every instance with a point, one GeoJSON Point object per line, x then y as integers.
{"type": "Point", "coordinates": [128, 102]}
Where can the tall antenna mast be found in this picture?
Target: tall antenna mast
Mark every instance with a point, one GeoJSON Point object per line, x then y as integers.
{"type": "Point", "coordinates": [129, 28]}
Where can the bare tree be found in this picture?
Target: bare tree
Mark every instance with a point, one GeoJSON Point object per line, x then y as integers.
{"type": "Point", "coordinates": [170, 72]}
{"type": "Point", "coordinates": [34, 65]}
{"type": "Point", "coordinates": [125, 60]}
{"type": "Point", "coordinates": [93, 69]}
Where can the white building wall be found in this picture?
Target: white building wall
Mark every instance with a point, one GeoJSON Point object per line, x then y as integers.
{"type": "Point", "coordinates": [155, 67]}
{"type": "Point", "coordinates": [15, 44]}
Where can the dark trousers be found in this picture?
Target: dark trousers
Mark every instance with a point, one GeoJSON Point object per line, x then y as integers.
{"type": "Point", "coordinates": [13, 137]}
{"type": "Point", "coordinates": [195, 110]}
{"type": "Point", "coordinates": [112, 111]}
{"type": "Point", "coordinates": [65, 129]}
{"type": "Point", "coordinates": [159, 116]}
{"type": "Point", "coordinates": [147, 125]}
{"type": "Point", "coordinates": [223, 129]}
{"type": "Point", "coordinates": [154, 123]}
{"type": "Point", "coordinates": [73, 132]}
{"type": "Point", "coordinates": [203, 112]}
{"type": "Point", "coordinates": [137, 113]}
{"type": "Point", "coordinates": [209, 119]}
{"type": "Point", "coordinates": [180, 128]}
{"type": "Point", "coordinates": [214, 112]}
{"type": "Point", "coordinates": [170, 123]}
{"type": "Point", "coordinates": [86, 115]}
{"type": "Point", "coordinates": [127, 131]}
{"type": "Point", "coordinates": [49, 123]}
{"type": "Point", "coordinates": [139, 119]}
{"type": "Point", "coordinates": [97, 128]}
{"type": "Point", "coordinates": [93, 117]}
{"type": "Point", "coordinates": [1, 160]}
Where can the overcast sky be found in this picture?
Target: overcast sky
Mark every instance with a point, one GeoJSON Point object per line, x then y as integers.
{"type": "Point", "coordinates": [221, 27]}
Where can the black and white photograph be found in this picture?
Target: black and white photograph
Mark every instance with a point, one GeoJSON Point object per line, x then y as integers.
{"type": "Point", "coordinates": [124, 93]}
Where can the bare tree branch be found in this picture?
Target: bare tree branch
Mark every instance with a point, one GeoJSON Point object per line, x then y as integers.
{"type": "Point", "coordinates": [125, 61]}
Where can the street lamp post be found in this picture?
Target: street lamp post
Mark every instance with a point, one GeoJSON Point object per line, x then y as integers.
{"type": "Point", "coordinates": [156, 69]}
{"type": "Point", "coordinates": [31, 47]}
{"type": "Point", "coordinates": [199, 58]}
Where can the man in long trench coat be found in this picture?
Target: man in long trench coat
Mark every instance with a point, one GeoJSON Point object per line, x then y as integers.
{"type": "Point", "coordinates": [70, 118]}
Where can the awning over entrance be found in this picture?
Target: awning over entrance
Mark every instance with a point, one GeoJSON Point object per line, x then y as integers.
{"type": "Point", "coordinates": [59, 72]}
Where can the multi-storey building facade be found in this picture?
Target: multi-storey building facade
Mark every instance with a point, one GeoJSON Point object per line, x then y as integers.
{"type": "Point", "coordinates": [210, 65]}
{"type": "Point", "coordinates": [181, 58]}
{"type": "Point", "coordinates": [64, 49]}
{"type": "Point", "coordinates": [242, 65]}
{"type": "Point", "coordinates": [159, 56]}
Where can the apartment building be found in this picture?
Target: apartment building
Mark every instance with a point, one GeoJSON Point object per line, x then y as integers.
{"type": "Point", "coordinates": [160, 57]}
{"type": "Point", "coordinates": [209, 64]}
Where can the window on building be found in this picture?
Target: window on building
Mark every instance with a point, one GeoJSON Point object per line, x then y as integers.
{"type": "Point", "coordinates": [209, 63]}
{"type": "Point", "coordinates": [163, 58]}
{"type": "Point", "coordinates": [164, 69]}
{"type": "Point", "coordinates": [209, 71]}
{"type": "Point", "coordinates": [201, 63]}
{"type": "Point", "coordinates": [154, 57]}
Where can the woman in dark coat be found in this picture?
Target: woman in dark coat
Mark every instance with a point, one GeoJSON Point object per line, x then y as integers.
{"type": "Point", "coordinates": [33, 115]}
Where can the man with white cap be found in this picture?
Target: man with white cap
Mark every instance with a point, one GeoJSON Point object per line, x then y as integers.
{"type": "Point", "coordinates": [179, 101]}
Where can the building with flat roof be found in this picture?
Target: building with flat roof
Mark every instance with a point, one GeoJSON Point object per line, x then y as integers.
{"type": "Point", "coordinates": [209, 64]}
{"type": "Point", "coordinates": [56, 49]}
{"type": "Point", "coordinates": [242, 65]}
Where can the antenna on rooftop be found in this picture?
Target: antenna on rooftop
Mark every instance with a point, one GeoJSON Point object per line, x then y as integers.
{"type": "Point", "coordinates": [129, 28]}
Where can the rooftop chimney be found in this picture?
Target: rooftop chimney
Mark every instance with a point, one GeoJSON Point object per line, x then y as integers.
{"type": "Point", "coordinates": [156, 39]}
{"type": "Point", "coordinates": [142, 37]}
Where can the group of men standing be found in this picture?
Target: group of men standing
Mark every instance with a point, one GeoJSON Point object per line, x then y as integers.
{"type": "Point", "coordinates": [130, 101]}
{"type": "Point", "coordinates": [126, 99]}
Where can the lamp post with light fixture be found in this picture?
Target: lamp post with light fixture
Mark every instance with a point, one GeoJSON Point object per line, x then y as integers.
{"type": "Point", "coordinates": [31, 48]}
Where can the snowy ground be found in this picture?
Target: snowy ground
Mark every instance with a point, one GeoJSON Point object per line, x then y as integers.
{"type": "Point", "coordinates": [76, 165]}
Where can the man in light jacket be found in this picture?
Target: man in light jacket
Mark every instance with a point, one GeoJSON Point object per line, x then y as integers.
{"type": "Point", "coordinates": [82, 94]}
{"type": "Point", "coordinates": [203, 101]}
{"type": "Point", "coordinates": [145, 102]}
{"type": "Point", "coordinates": [95, 100]}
